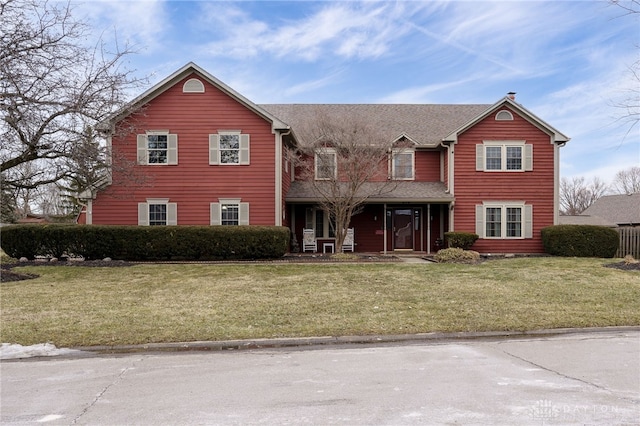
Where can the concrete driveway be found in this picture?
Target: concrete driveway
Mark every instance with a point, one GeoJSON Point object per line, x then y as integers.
{"type": "Point", "coordinates": [583, 378]}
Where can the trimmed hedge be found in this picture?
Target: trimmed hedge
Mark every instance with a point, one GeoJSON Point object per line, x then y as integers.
{"type": "Point", "coordinates": [457, 255]}
{"type": "Point", "coordinates": [463, 240]}
{"type": "Point", "coordinates": [580, 241]}
{"type": "Point", "coordinates": [136, 243]}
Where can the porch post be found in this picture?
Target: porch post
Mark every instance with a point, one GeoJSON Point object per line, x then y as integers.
{"type": "Point", "coordinates": [384, 218]}
{"type": "Point", "coordinates": [428, 228]}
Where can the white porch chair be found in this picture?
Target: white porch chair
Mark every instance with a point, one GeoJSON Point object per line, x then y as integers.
{"type": "Point", "coordinates": [309, 240]}
{"type": "Point", "coordinates": [349, 241]}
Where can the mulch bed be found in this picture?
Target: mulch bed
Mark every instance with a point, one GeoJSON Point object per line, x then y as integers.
{"type": "Point", "coordinates": [626, 266]}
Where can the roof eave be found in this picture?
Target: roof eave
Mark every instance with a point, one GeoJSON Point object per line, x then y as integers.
{"type": "Point", "coordinates": [189, 68]}
{"type": "Point", "coordinates": [558, 137]}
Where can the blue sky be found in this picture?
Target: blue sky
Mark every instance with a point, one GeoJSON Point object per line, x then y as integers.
{"type": "Point", "coordinates": [568, 61]}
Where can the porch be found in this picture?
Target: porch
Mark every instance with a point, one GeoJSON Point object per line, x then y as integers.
{"type": "Point", "coordinates": [412, 229]}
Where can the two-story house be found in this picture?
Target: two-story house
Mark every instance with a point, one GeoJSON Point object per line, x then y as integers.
{"type": "Point", "coordinates": [210, 156]}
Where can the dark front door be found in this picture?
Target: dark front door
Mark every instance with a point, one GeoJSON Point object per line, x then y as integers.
{"type": "Point", "coordinates": [403, 229]}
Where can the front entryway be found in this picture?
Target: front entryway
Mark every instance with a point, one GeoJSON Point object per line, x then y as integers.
{"type": "Point", "coordinates": [403, 229]}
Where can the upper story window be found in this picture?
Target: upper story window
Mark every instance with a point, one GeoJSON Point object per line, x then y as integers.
{"type": "Point", "coordinates": [403, 165]}
{"type": "Point", "coordinates": [326, 164]}
{"type": "Point", "coordinates": [158, 147]}
{"type": "Point", "coordinates": [157, 212]}
{"type": "Point", "coordinates": [501, 156]}
{"type": "Point", "coordinates": [229, 147]}
{"type": "Point", "coordinates": [193, 85]}
{"type": "Point", "coordinates": [504, 115]}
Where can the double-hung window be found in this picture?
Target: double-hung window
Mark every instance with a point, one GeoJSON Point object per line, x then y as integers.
{"type": "Point", "coordinates": [158, 148]}
{"type": "Point", "coordinates": [403, 165]}
{"type": "Point", "coordinates": [157, 212]}
{"type": "Point", "coordinates": [504, 220]}
{"type": "Point", "coordinates": [229, 148]}
{"type": "Point", "coordinates": [326, 164]}
{"type": "Point", "coordinates": [504, 156]}
{"type": "Point", "coordinates": [229, 212]}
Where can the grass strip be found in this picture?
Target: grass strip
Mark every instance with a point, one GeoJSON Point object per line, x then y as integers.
{"type": "Point", "coordinates": [76, 306]}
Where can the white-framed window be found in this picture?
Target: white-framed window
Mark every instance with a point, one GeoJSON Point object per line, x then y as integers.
{"type": "Point", "coordinates": [321, 222]}
{"type": "Point", "coordinates": [157, 148]}
{"type": "Point", "coordinates": [229, 148]}
{"type": "Point", "coordinates": [326, 167]}
{"type": "Point", "coordinates": [193, 85]}
{"type": "Point", "coordinates": [403, 165]}
{"type": "Point", "coordinates": [157, 212]}
{"type": "Point", "coordinates": [504, 115]}
{"type": "Point", "coordinates": [504, 156]}
{"type": "Point", "coordinates": [504, 220]}
{"type": "Point", "coordinates": [229, 211]}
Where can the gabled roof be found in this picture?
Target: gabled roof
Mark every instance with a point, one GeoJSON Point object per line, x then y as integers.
{"type": "Point", "coordinates": [192, 68]}
{"type": "Point", "coordinates": [558, 137]}
{"type": "Point", "coordinates": [424, 124]}
{"type": "Point", "coordinates": [619, 209]}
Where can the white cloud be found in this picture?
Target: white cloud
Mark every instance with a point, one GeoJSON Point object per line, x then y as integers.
{"type": "Point", "coordinates": [346, 30]}
{"type": "Point", "coordinates": [142, 24]}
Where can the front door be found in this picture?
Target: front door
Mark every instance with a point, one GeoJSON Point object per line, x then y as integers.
{"type": "Point", "coordinates": [403, 229]}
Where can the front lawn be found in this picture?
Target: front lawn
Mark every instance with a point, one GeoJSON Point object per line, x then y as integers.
{"type": "Point", "coordinates": [80, 306]}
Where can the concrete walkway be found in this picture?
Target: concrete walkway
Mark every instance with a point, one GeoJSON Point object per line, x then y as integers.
{"type": "Point", "coordinates": [569, 378]}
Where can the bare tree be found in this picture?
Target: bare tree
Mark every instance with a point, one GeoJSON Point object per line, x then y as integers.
{"type": "Point", "coordinates": [344, 161]}
{"type": "Point", "coordinates": [576, 194]}
{"type": "Point", "coordinates": [53, 93]}
{"type": "Point", "coordinates": [627, 181]}
{"type": "Point", "coordinates": [630, 104]}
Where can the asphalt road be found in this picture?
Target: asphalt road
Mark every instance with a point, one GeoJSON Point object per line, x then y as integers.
{"type": "Point", "coordinates": [585, 378]}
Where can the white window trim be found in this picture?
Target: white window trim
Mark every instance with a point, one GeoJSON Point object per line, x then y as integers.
{"type": "Point", "coordinates": [504, 115]}
{"type": "Point", "coordinates": [143, 211]}
{"type": "Point", "coordinates": [215, 211]}
{"type": "Point", "coordinates": [526, 225]}
{"type": "Point", "coordinates": [244, 149]}
{"type": "Point", "coordinates": [310, 223]}
{"type": "Point", "coordinates": [143, 148]}
{"type": "Point", "coordinates": [413, 163]}
{"type": "Point", "coordinates": [193, 85]}
{"type": "Point", "coordinates": [527, 156]}
{"type": "Point", "coordinates": [326, 151]}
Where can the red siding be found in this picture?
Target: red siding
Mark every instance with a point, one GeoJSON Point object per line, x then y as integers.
{"type": "Point", "coordinates": [427, 166]}
{"type": "Point", "coordinates": [534, 187]}
{"type": "Point", "coordinates": [193, 183]}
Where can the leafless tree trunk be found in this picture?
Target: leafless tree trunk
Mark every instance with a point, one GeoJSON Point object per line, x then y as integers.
{"type": "Point", "coordinates": [54, 94]}
{"type": "Point", "coordinates": [576, 195]}
{"type": "Point", "coordinates": [627, 181]}
{"type": "Point", "coordinates": [345, 162]}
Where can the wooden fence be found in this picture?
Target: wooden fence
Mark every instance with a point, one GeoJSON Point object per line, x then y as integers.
{"type": "Point", "coordinates": [629, 242]}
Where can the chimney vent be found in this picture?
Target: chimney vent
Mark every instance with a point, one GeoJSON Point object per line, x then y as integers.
{"type": "Point", "coordinates": [512, 95]}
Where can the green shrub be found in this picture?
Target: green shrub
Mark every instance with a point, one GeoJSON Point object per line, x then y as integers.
{"type": "Point", "coordinates": [146, 242]}
{"type": "Point", "coordinates": [457, 255]}
{"type": "Point", "coordinates": [580, 241]}
{"type": "Point", "coordinates": [463, 240]}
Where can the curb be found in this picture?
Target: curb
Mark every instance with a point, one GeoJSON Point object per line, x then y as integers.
{"type": "Point", "coordinates": [311, 342]}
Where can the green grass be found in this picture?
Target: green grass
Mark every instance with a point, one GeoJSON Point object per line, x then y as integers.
{"type": "Point", "coordinates": [75, 306]}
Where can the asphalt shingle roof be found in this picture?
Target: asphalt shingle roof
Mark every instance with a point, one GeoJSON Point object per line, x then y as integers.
{"type": "Point", "coordinates": [425, 124]}
{"type": "Point", "coordinates": [619, 209]}
{"type": "Point", "coordinates": [303, 191]}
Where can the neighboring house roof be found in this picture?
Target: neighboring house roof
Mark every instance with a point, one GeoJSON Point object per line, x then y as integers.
{"type": "Point", "coordinates": [558, 137]}
{"type": "Point", "coordinates": [424, 124]}
{"type": "Point", "coordinates": [404, 191]}
{"type": "Point", "coordinates": [585, 220]}
{"type": "Point", "coordinates": [619, 209]}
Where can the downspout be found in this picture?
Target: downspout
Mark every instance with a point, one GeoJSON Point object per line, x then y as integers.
{"type": "Point", "coordinates": [279, 212]}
